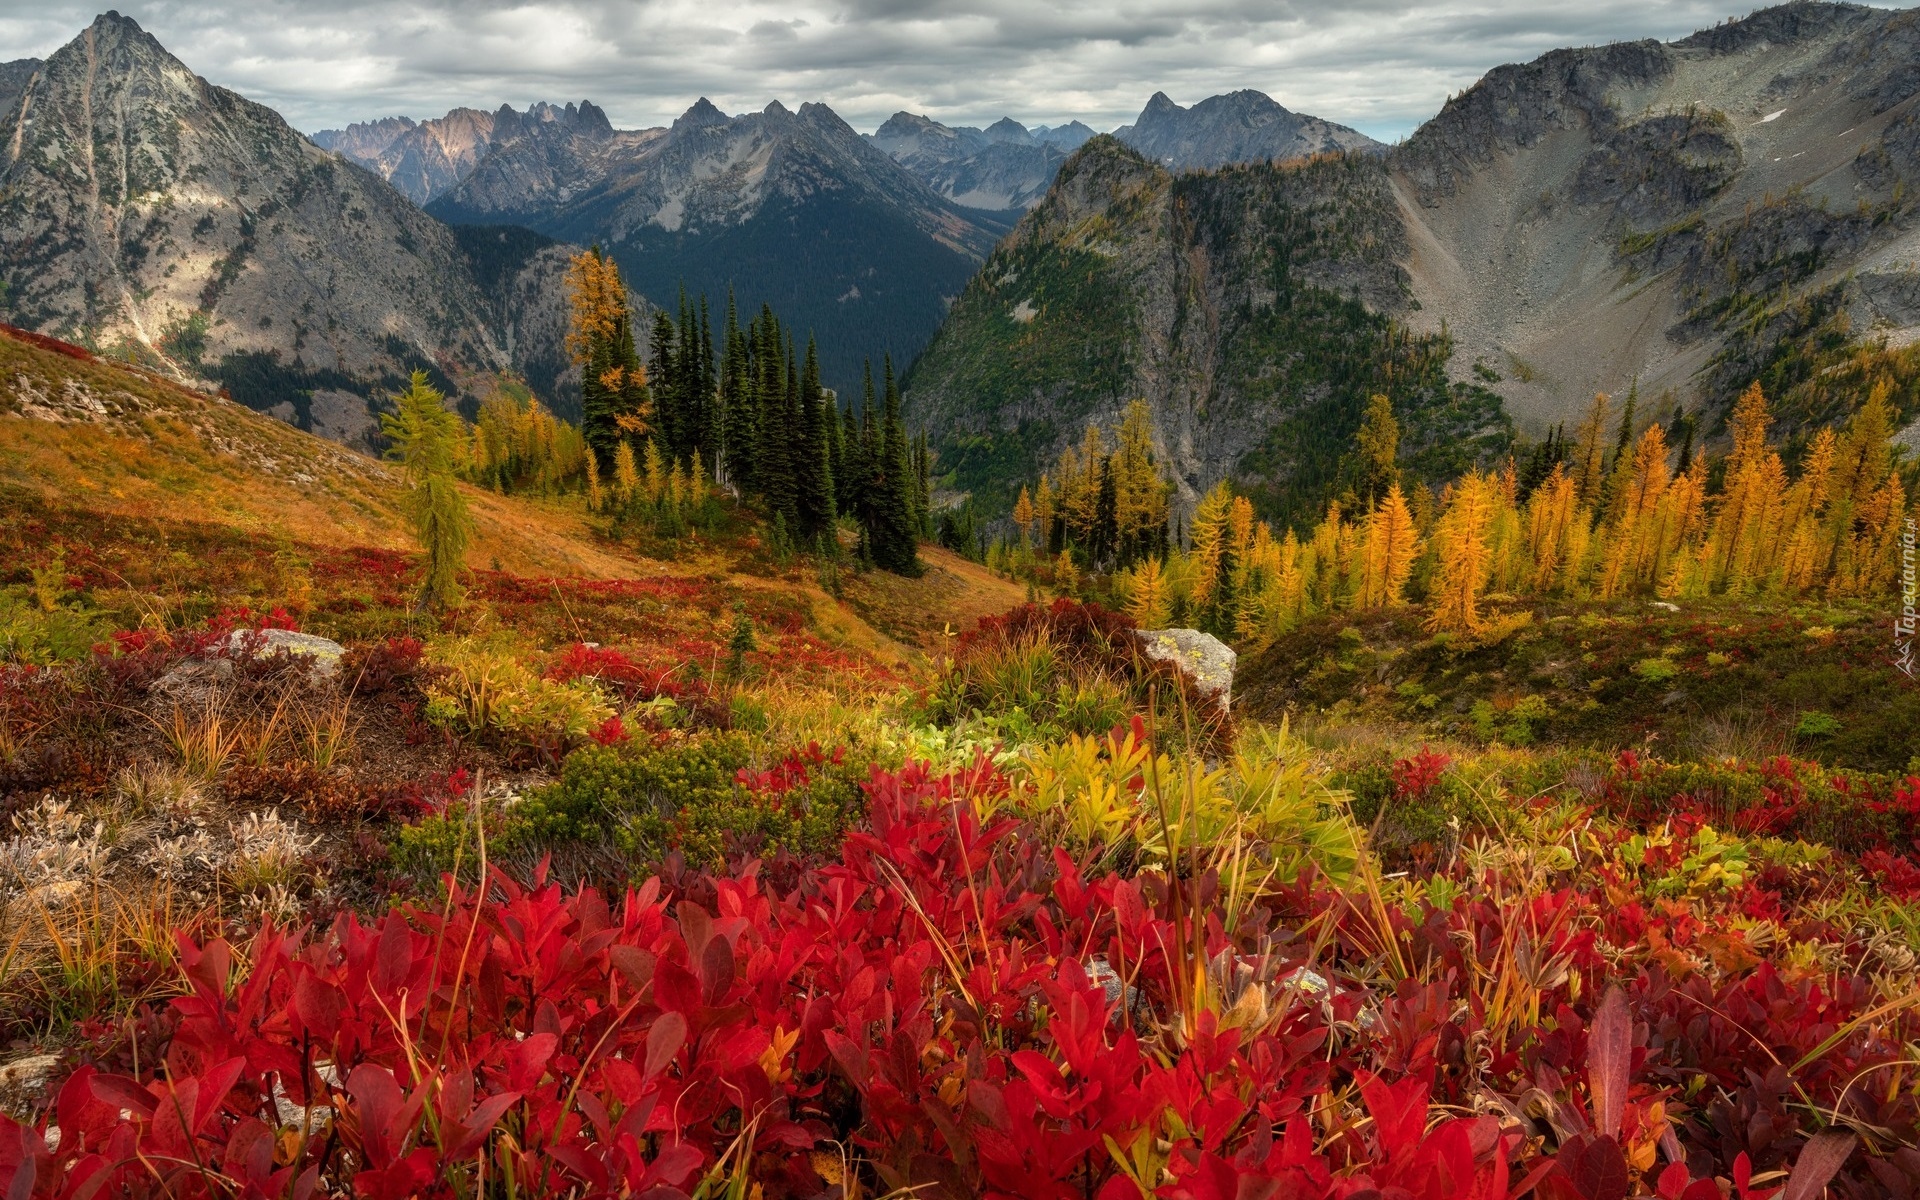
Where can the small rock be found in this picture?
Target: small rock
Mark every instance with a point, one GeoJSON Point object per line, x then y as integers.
{"type": "Point", "coordinates": [1668, 605]}
{"type": "Point", "coordinates": [1201, 657]}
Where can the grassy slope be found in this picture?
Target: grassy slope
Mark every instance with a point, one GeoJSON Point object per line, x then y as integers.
{"type": "Point", "coordinates": [165, 452]}
{"type": "Point", "coordinates": [1708, 681]}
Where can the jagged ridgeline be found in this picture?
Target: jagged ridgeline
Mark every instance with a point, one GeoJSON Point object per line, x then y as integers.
{"type": "Point", "coordinates": [1251, 307]}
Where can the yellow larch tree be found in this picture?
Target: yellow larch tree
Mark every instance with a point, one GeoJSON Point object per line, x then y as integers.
{"type": "Point", "coordinates": [1387, 552]}
{"type": "Point", "coordinates": [1464, 556]}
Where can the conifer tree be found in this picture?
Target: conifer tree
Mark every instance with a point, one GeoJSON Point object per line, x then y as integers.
{"type": "Point", "coordinates": [1388, 552]}
{"type": "Point", "coordinates": [740, 406]}
{"type": "Point", "coordinates": [814, 474]}
{"type": "Point", "coordinates": [891, 535]}
{"type": "Point", "coordinates": [1378, 441]}
{"type": "Point", "coordinates": [426, 439]}
{"type": "Point", "coordinates": [1462, 537]}
{"type": "Point", "coordinates": [626, 474]}
{"type": "Point", "coordinates": [1148, 604]}
{"type": "Point", "coordinates": [615, 402]}
{"type": "Point", "coordinates": [1590, 452]}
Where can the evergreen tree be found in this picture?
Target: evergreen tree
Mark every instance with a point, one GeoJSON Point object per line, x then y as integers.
{"type": "Point", "coordinates": [739, 405]}
{"type": "Point", "coordinates": [615, 402]}
{"type": "Point", "coordinates": [1378, 441]}
{"type": "Point", "coordinates": [891, 535]}
{"type": "Point", "coordinates": [664, 369]}
{"type": "Point", "coordinates": [814, 476]}
{"type": "Point", "coordinates": [426, 440]}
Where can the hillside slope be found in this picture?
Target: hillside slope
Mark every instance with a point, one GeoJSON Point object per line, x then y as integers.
{"type": "Point", "coordinates": [1691, 215]}
{"type": "Point", "coordinates": [101, 436]}
{"type": "Point", "coordinates": [91, 438]}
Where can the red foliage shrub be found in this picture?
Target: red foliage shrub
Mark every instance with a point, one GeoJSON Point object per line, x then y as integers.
{"type": "Point", "coordinates": [964, 1009]}
{"type": "Point", "coordinates": [1415, 778]}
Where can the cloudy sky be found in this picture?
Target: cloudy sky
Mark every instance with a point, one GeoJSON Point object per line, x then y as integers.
{"type": "Point", "coordinates": [1380, 65]}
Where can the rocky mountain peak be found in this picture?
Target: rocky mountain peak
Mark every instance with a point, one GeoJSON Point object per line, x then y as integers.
{"type": "Point", "coordinates": [1006, 129]}
{"type": "Point", "coordinates": [1240, 127]}
{"type": "Point", "coordinates": [702, 114]}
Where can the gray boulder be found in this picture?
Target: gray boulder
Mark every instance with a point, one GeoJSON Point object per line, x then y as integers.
{"type": "Point", "coordinates": [1201, 657]}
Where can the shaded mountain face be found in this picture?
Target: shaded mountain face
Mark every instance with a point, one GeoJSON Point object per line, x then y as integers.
{"type": "Point", "coordinates": [14, 77]}
{"type": "Point", "coordinates": [1002, 167]}
{"type": "Point", "coordinates": [155, 216]}
{"type": "Point", "coordinates": [789, 208]}
{"type": "Point", "coordinates": [1685, 218]}
{"type": "Point", "coordinates": [1239, 127]}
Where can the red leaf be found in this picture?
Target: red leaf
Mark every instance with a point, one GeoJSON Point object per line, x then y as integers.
{"type": "Point", "coordinates": [1609, 1058]}
{"type": "Point", "coordinates": [675, 988]}
{"type": "Point", "coordinates": [664, 1040]}
{"type": "Point", "coordinates": [122, 1092]}
{"type": "Point", "coordinates": [1820, 1159]}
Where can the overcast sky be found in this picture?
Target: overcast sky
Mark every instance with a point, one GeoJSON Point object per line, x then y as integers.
{"type": "Point", "coordinates": [1381, 66]}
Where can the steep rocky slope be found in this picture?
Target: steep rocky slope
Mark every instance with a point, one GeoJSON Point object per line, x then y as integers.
{"type": "Point", "coordinates": [156, 216]}
{"type": "Point", "coordinates": [789, 208]}
{"type": "Point", "coordinates": [1690, 215]}
{"type": "Point", "coordinates": [1239, 127]}
{"type": "Point", "coordinates": [1004, 166]}
{"type": "Point", "coordinates": [1251, 307]}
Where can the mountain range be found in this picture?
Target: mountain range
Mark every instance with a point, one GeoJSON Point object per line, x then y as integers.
{"type": "Point", "coordinates": [1671, 220]}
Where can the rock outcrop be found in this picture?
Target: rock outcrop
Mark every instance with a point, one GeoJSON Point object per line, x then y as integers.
{"type": "Point", "coordinates": [1201, 657]}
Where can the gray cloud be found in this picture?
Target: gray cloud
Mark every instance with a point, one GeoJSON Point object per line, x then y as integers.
{"type": "Point", "coordinates": [1381, 66]}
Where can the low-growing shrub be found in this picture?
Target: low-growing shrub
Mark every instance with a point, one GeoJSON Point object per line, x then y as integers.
{"type": "Point", "coordinates": [697, 794]}
{"type": "Point", "coordinates": [486, 686]}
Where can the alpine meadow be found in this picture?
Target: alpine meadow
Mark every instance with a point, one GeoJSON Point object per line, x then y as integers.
{"type": "Point", "coordinates": [1229, 654]}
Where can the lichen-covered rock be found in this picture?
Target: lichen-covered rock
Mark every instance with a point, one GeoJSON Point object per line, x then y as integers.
{"type": "Point", "coordinates": [1201, 657]}
{"type": "Point", "coordinates": [325, 654]}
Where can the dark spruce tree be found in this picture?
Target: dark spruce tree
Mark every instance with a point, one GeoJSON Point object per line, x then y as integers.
{"type": "Point", "coordinates": [891, 536]}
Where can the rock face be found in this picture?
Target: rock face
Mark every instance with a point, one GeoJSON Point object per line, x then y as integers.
{"type": "Point", "coordinates": [789, 208]}
{"type": "Point", "coordinates": [1004, 166]}
{"type": "Point", "coordinates": [1201, 657]}
{"type": "Point", "coordinates": [145, 210]}
{"type": "Point", "coordinates": [1240, 127]}
{"type": "Point", "coordinates": [1667, 212]}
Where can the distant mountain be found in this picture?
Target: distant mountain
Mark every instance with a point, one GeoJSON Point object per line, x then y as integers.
{"type": "Point", "coordinates": [1239, 127]}
{"type": "Point", "coordinates": [1681, 219]}
{"type": "Point", "coordinates": [1004, 166]}
{"type": "Point", "coordinates": [156, 217]}
{"type": "Point", "coordinates": [428, 159]}
{"type": "Point", "coordinates": [792, 209]}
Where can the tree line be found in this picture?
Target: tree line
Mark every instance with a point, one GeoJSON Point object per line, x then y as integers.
{"type": "Point", "coordinates": [747, 410]}
{"type": "Point", "coordinates": [1621, 508]}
